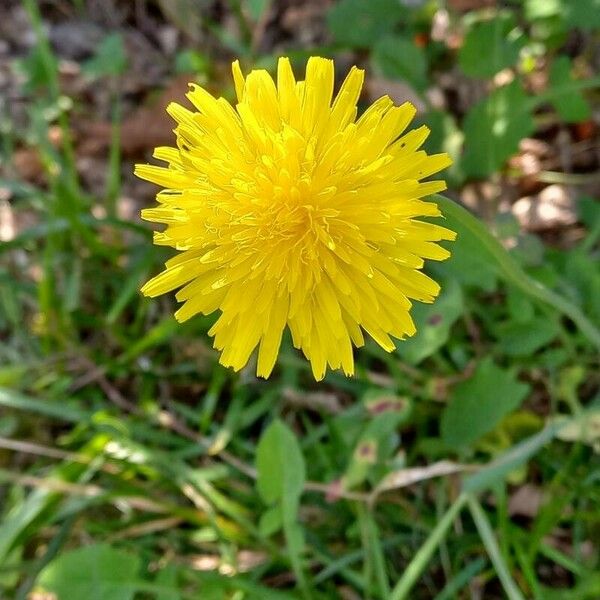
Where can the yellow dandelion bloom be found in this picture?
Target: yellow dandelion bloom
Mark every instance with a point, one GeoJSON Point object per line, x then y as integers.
{"type": "Point", "coordinates": [288, 211]}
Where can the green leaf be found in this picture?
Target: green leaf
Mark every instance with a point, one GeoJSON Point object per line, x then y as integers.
{"type": "Point", "coordinates": [570, 104]}
{"type": "Point", "coordinates": [167, 579]}
{"type": "Point", "coordinates": [398, 58]}
{"type": "Point", "coordinates": [491, 46]}
{"type": "Point", "coordinates": [358, 23]}
{"type": "Point", "coordinates": [468, 264]}
{"type": "Point", "coordinates": [477, 405]}
{"type": "Point", "coordinates": [584, 14]}
{"type": "Point", "coordinates": [493, 129]}
{"type": "Point", "coordinates": [110, 58]}
{"type": "Point", "coordinates": [281, 476]}
{"type": "Point", "coordinates": [192, 61]}
{"type": "Point", "coordinates": [256, 8]}
{"type": "Point", "coordinates": [583, 277]}
{"type": "Point", "coordinates": [520, 306]}
{"type": "Point", "coordinates": [588, 210]}
{"type": "Point", "coordinates": [280, 466]}
{"type": "Point", "coordinates": [270, 521]}
{"type": "Point", "coordinates": [433, 322]}
{"type": "Point", "coordinates": [524, 339]}
{"type": "Point", "coordinates": [58, 410]}
{"type": "Point", "coordinates": [36, 67]}
{"type": "Point", "coordinates": [20, 517]}
{"type": "Point", "coordinates": [96, 572]}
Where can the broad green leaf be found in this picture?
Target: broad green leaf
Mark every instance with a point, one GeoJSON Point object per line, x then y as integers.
{"type": "Point", "coordinates": [270, 521]}
{"type": "Point", "coordinates": [399, 58]}
{"type": "Point", "coordinates": [526, 338]}
{"type": "Point", "coordinates": [477, 405]}
{"type": "Point", "coordinates": [491, 46]}
{"type": "Point", "coordinates": [110, 58]}
{"type": "Point", "coordinates": [570, 104]}
{"type": "Point", "coordinates": [520, 306]}
{"type": "Point", "coordinates": [584, 14]}
{"type": "Point", "coordinates": [281, 476]}
{"type": "Point", "coordinates": [494, 128]}
{"type": "Point", "coordinates": [256, 8]}
{"type": "Point", "coordinates": [280, 466]}
{"type": "Point", "coordinates": [433, 322]}
{"type": "Point", "coordinates": [468, 265]}
{"type": "Point", "coordinates": [361, 23]}
{"type": "Point", "coordinates": [583, 277]}
{"type": "Point", "coordinates": [96, 572]}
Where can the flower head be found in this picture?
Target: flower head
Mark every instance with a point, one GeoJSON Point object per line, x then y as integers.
{"type": "Point", "coordinates": [288, 211]}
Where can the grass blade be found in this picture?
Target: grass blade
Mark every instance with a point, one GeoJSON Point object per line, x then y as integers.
{"type": "Point", "coordinates": [419, 562]}
{"type": "Point", "coordinates": [489, 541]}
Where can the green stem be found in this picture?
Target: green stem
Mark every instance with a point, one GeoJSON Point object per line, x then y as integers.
{"type": "Point", "coordinates": [568, 178]}
{"type": "Point", "coordinates": [419, 562]}
{"type": "Point", "coordinates": [512, 271]}
{"type": "Point", "coordinates": [560, 90]}
{"type": "Point", "coordinates": [487, 536]}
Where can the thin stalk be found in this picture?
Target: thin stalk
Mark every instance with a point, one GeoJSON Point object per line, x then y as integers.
{"type": "Point", "coordinates": [421, 559]}
{"type": "Point", "coordinates": [513, 272]}
{"type": "Point", "coordinates": [561, 90]}
{"type": "Point", "coordinates": [489, 541]}
{"type": "Point", "coordinates": [113, 183]}
{"type": "Point", "coordinates": [568, 178]}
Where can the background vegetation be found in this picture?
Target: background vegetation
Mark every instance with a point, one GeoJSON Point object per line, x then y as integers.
{"type": "Point", "coordinates": [465, 465]}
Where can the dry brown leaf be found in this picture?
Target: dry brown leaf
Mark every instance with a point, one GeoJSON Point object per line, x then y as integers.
{"type": "Point", "coordinates": [144, 129]}
{"type": "Point", "coordinates": [29, 166]}
{"type": "Point", "coordinates": [525, 501]}
{"type": "Point", "coordinates": [406, 477]}
{"type": "Point", "coordinates": [552, 208]}
{"type": "Point", "coordinates": [398, 91]}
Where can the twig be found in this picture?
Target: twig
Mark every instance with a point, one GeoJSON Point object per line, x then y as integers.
{"type": "Point", "coordinates": [168, 420]}
{"type": "Point", "coordinates": [49, 452]}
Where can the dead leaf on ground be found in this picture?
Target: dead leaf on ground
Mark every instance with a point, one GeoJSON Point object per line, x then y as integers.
{"type": "Point", "coordinates": [144, 129]}
{"type": "Point", "coordinates": [305, 20]}
{"type": "Point", "coordinates": [525, 501]}
{"type": "Point", "coordinates": [552, 208]}
{"type": "Point", "coordinates": [28, 164]}
{"type": "Point", "coordinates": [398, 91]}
{"type": "Point", "coordinates": [75, 39]}
{"type": "Point", "coordinates": [406, 477]}
{"type": "Point", "coordinates": [317, 401]}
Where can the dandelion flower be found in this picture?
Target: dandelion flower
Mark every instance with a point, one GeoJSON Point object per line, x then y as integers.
{"type": "Point", "coordinates": [288, 211]}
